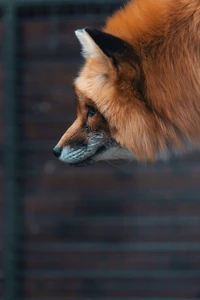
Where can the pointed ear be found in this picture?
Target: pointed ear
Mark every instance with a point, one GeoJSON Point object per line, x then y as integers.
{"type": "Point", "coordinates": [94, 42]}
{"type": "Point", "coordinates": [89, 47]}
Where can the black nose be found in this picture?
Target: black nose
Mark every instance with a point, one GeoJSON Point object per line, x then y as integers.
{"type": "Point", "coordinates": [57, 151]}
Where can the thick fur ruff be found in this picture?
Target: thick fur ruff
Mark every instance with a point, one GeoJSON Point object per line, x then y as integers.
{"type": "Point", "coordinates": [166, 36]}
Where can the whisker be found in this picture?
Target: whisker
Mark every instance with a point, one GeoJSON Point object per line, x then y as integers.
{"type": "Point", "coordinates": [113, 165]}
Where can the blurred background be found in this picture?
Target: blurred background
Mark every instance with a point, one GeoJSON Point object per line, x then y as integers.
{"type": "Point", "coordinates": [105, 232]}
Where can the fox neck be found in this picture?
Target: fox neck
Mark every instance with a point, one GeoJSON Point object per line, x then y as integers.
{"type": "Point", "coordinates": [140, 19]}
{"type": "Point", "coordinates": [151, 27]}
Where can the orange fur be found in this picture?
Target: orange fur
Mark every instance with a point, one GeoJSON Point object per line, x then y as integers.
{"type": "Point", "coordinates": [137, 20]}
{"type": "Point", "coordinates": [173, 87]}
{"type": "Point", "coordinates": [166, 36]}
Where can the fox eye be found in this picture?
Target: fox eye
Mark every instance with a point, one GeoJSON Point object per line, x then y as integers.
{"type": "Point", "coordinates": [91, 111]}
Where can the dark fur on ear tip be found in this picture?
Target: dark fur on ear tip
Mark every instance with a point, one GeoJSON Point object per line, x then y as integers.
{"type": "Point", "coordinates": [108, 43]}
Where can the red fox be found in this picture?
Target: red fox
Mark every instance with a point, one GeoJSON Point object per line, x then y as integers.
{"type": "Point", "coordinates": [138, 93]}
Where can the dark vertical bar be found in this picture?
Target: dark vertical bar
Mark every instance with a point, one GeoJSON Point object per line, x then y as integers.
{"type": "Point", "coordinates": [10, 152]}
{"type": "Point", "coordinates": [54, 27]}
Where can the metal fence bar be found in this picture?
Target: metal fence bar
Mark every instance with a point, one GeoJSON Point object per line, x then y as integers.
{"type": "Point", "coordinates": [110, 274]}
{"type": "Point", "coordinates": [10, 154]}
{"type": "Point", "coordinates": [106, 298]}
{"type": "Point", "coordinates": [122, 220]}
{"type": "Point", "coordinates": [114, 247]}
{"type": "Point", "coordinates": [57, 2]}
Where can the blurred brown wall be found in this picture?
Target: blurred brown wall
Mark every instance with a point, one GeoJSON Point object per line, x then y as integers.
{"type": "Point", "coordinates": [138, 221]}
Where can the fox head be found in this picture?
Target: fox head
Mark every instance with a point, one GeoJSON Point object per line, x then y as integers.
{"type": "Point", "coordinates": [137, 92]}
{"type": "Point", "coordinates": [108, 86]}
{"type": "Point", "coordinates": [115, 116]}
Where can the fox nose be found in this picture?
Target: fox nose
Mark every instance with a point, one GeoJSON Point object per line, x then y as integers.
{"type": "Point", "coordinates": [57, 151]}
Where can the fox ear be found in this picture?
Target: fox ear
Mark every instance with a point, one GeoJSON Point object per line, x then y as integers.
{"type": "Point", "coordinates": [94, 42]}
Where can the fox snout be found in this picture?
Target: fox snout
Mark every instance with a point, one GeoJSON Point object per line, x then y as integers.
{"type": "Point", "coordinates": [85, 141]}
{"type": "Point", "coordinates": [88, 140]}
